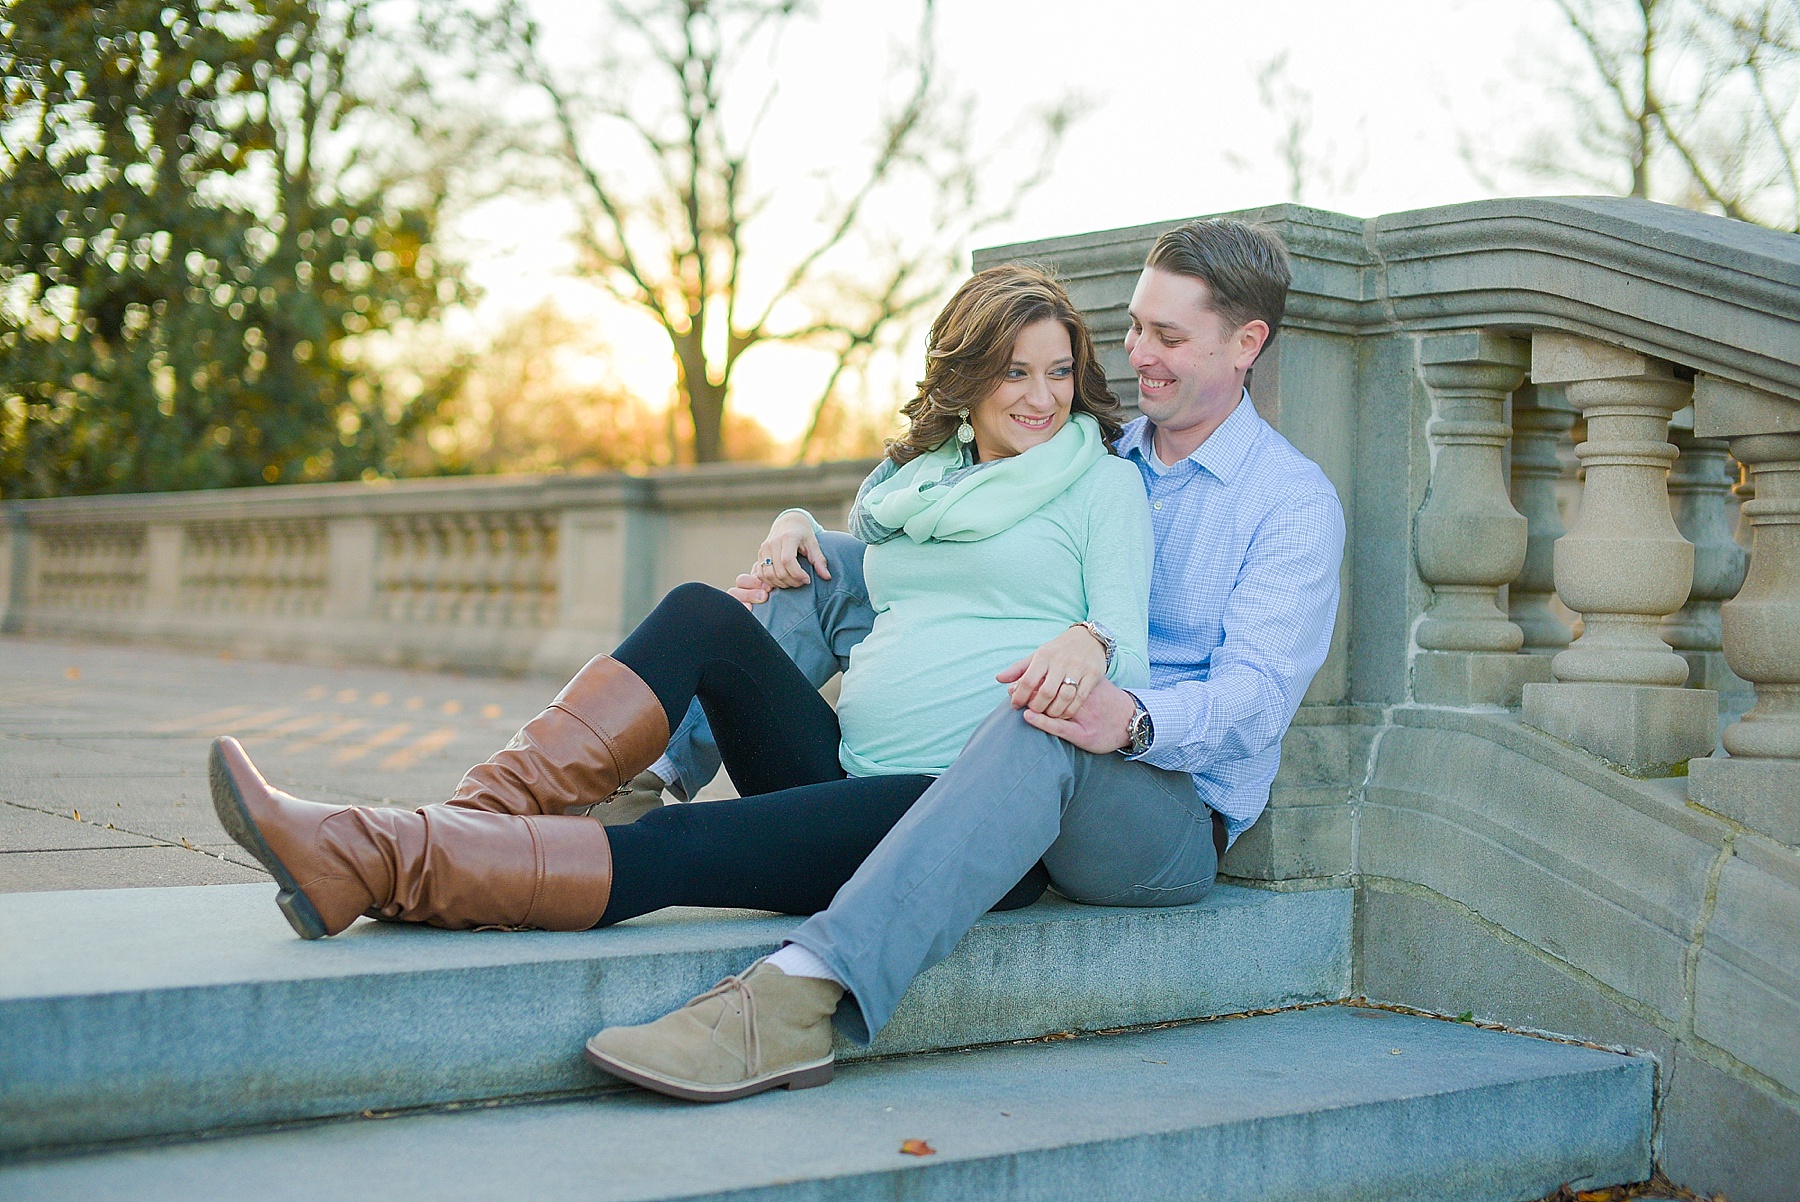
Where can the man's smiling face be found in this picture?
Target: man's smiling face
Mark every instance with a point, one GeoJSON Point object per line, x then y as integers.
{"type": "Point", "coordinates": [1190, 364]}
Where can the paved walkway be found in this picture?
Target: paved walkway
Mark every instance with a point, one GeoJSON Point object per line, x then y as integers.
{"type": "Point", "coordinates": [103, 752]}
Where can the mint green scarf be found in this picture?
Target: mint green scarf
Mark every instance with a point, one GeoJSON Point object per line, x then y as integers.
{"type": "Point", "coordinates": [980, 504]}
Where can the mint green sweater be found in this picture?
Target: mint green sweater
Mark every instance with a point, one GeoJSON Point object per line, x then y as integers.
{"type": "Point", "coordinates": [949, 615]}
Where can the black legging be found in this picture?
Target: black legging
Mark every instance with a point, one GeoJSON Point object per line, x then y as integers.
{"type": "Point", "coordinates": [802, 827]}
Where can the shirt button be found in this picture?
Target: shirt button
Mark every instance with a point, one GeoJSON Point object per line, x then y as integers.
{"type": "Point", "coordinates": [1156, 505]}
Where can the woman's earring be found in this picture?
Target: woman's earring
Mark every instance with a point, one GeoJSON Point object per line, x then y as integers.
{"type": "Point", "coordinates": [965, 433]}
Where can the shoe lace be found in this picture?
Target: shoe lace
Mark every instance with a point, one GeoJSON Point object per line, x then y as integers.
{"type": "Point", "coordinates": [735, 990]}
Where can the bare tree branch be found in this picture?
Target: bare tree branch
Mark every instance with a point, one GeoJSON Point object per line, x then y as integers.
{"type": "Point", "coordinates": [1706, 94]}
{"type": "Point", "coordinates": [674, 233]}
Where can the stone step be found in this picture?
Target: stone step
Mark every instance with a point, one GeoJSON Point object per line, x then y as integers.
{"type": "Point", "coordinates": [1331, 1102]}
{"type": "Point", "coordinates": [141, 1012]}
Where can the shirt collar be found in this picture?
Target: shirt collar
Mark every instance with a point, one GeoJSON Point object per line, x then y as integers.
{"type": "Point", "coordinates": [1224, 450]}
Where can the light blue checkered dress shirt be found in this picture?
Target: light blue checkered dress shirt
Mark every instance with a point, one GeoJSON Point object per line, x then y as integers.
{"type": "Point", "coordinates": [1249, 536]}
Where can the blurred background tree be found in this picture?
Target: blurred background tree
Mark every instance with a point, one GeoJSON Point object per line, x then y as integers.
{"type": "Point", "coordinates": [210, 208]}
{"type": "Point", "coordinates": [542, 396]}
{"type": "Point", "coordinates": [656, 144]}
{"type": "Point", "coordinates": [1690, 102]}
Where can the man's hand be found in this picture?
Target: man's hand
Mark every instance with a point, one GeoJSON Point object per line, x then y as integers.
{"type": "Point", "coordinates": [1102, 724]}
{"type": "Point", "coordinates": [1041, 683]}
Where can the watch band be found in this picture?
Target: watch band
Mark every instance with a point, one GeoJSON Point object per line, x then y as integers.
{"type": "Point", "coordinates": [1104, 636]}
{"type": "Point", "coordinates": [1142, 731]}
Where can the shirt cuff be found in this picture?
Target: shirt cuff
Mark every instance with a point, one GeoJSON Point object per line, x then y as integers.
{"type": "Point", "coordinates": [1172, 722]}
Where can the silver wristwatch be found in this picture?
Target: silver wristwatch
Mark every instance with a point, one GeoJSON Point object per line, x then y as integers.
{"type": "Point", "coordinates": [1107, 642]}
{"type": "Point", "coordinates": [1141, 733]}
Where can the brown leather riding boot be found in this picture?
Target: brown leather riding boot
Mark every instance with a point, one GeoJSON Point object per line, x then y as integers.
{"type": "Point", "coordinates": [604, 728]}
{"type": "Point", "coordinates": [440, 865]}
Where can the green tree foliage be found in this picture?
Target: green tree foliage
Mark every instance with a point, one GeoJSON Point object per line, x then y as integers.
{"type": "Point", "coordinates": [204, 223]}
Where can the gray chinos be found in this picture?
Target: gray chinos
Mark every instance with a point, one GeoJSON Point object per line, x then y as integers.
{"type": "Point", "coordinates": [1111, 832]}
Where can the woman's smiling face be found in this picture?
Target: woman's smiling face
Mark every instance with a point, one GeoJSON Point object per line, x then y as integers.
{"type": "Point", "coordinates": [1031, 402]}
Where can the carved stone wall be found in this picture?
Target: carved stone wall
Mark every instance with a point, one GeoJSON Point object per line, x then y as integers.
{"type": "Point", "coordinates": [509, 575]}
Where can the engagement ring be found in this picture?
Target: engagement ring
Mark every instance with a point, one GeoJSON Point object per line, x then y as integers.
{"type": "Point", "coordinates": [1071, 680]}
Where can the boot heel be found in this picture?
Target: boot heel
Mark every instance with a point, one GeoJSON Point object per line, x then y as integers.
{"type": "Point", "coordinates": [300, 914]}
{"type": "Point", "coordinates": [810, 1078]}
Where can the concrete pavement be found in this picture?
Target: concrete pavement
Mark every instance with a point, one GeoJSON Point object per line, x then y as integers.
{"type": "Point", "coordinates": [103, 752]}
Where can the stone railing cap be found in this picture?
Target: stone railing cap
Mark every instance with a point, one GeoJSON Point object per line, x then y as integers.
{"type": "Point", "coordinates": [712, 485]}
{"type": "Point", "coordinates": [1702, 291]}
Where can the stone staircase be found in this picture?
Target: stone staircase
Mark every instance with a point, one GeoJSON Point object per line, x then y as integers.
{"type": "Point", "coordinates": [436, 1065]}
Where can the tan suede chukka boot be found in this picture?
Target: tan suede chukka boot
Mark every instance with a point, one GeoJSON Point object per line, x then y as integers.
{"type": "Point", "coordinates": [604, 728]}
{"type": "Point", "coordinates": [640, 797]}
{"type": "Point", "coordinates": [446, 867]}
{"type": "Point", "coordinates": [758, 1030]}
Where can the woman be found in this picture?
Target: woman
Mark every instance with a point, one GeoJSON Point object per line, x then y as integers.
{"type": "Point", "coordinates": [998, 522]}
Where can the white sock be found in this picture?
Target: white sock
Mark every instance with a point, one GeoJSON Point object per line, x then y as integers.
{"type": "Point", "coordinates": [796, 961]}
{"type": "Point", "coordinates": [664, 770]}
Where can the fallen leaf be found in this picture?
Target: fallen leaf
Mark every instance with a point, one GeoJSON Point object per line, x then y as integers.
{"type": "Point", "coordinates": [1594, 1195]}
{"type": "Point", "coordinates": [917, 1147]}
{"type": "Point", "coordinates": [72, 673]}
{"type": "Point", "coordinates": [188, 845]}
{"type": "Point", "coordinates": [78, 815]}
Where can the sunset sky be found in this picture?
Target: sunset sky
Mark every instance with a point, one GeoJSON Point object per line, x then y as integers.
{"type": "Point", "coordinates": [1396, 88]}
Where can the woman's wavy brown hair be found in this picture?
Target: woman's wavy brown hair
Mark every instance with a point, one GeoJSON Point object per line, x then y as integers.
{"type": "Point", "coordinates": [971, 345]}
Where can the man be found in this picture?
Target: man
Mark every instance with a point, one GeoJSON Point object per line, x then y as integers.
{"type": "Point", "coordinates": [1132, 797]}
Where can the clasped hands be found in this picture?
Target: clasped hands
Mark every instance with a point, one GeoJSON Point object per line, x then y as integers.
{"type": "Point", "coordinates": [1094, 714]}
{"type": "Point", "coordinates": [1061, 687]}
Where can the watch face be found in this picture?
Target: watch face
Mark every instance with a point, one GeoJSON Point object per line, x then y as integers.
{"type": "Point", "coordinates": [1140, 733]}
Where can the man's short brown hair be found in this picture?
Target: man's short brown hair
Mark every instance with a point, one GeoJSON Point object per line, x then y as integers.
{"type": "Point", "coordinates": [1244, 267]}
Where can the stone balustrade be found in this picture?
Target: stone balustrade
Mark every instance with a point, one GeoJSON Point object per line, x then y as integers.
{"type": "Point", "coordinates": [526, 574]}
{"type": "Point", "coordinates": [1436, 365]}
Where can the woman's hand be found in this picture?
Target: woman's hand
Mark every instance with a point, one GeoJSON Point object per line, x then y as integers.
{"type": "Point", "coordinates": [1103, 725]}
{"type": "Point", "coordinates": [1059, 675]}
{"type": "Point", "coordinates": [778, 559]}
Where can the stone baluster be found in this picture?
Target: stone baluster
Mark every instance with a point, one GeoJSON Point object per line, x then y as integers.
{"type": "Point", "coordinates": [1623, 567]}
{"type": "Point", "coordinates": [1745, 491]}
{"type": "Point", "coordinates": [256, 569]}
{"type": "Point", "coordinates": [15, 568]}
{"type": "Point", "coordinates": [434, 572]}
{"type": "Point", "coordinates": [1706, 514]}
{"type": "Point", "coordinates": [468, 562]}
{"type": "Point", "coordinates": [1469, 539]}
{"type": "Point", "coordinates": [1541, 420]}
{"type": "Point", "coordinates": [393, 571]}
{"type": "Point", "coordinates": [353, 566]}
{"type": "Point", "coordinates": [164, 546]}
{"type": "Point", "coordinates": [1759, 784]}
